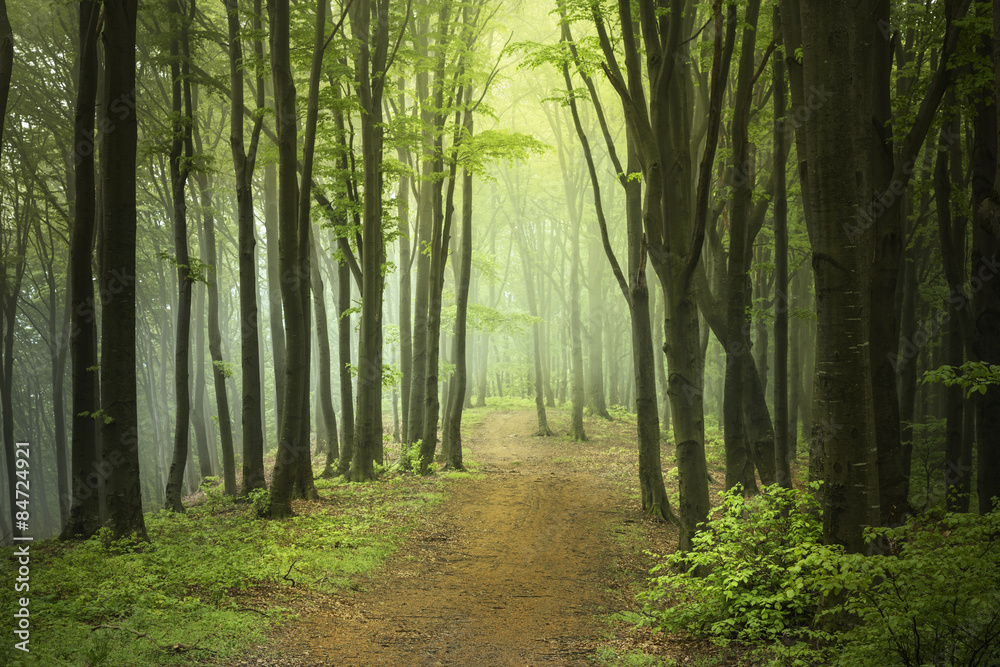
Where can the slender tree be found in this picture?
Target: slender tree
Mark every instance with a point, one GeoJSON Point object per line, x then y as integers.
{"type": "Point", "coordinates": [244, 160]}
{"type": "Point", "coordinates": [181, 155]}
{"type": "Point", "coordinates": [782, 453]}
{"type": "Point", "coordinates": [372, 62]}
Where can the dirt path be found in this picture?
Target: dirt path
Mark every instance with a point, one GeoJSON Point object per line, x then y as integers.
{"type": "Point", "coordinates": [510, 573]}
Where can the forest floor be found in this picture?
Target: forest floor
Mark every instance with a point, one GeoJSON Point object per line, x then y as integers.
{"type": "Point", "coordinates": [534, 559]}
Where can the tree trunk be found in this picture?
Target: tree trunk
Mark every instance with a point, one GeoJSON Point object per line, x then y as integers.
{"type": "Point", "coordinates": [85, 512]}
{"type": "Point", "coordinates": [370, 77]}
{"type": "Point", "coordinates": [985, 264]}
{"type": "Point", "coordinates": [181, 151]}
{"type": "Point", "coordinates": [219, 373]}
{"type": "Point", "coordinates": [243, 166]}
{"type": "Point", "coordinates": [325, 362]}
{"type": "Point", "coordinates": [837, 46]}
{"type": "Point", "coordinates": [294, 269]}
{"type": "Point", "coordinates": [199, 405]}
{"type": "Point", "coordinates": [783, 454]}
{"type": "Point", "coordinates": [7, 65]}
{"type": "Point", "coordinates": [461, 309]}
{"type": "Point", "coordinates": [119, 430]}
{"type": "Point", "coordinates": [596, 400]}
{"type": "Point", "coordinates": [739, 469]}
{"type": "Point", "coordinates": [344, 361]}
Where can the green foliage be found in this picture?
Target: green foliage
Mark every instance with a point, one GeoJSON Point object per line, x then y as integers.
{"type": "Point", "coordinates": [97, 414]}
{"type": "Point", "coordinates": [226, 368]}
{"type": "Point", "coordinates": [215, 497]}
{"type": "Point", "coordinates": [260, 500]}
{"type": "Point", "coordinates": [932, 599]}
{"type": "Point", "coordinates": [759, 573]}
{"type": "Point", "coordinates": [193, 584]}
{"type": "Point", "coordinates": [746, 577]}
{"type": "Point", "coordinates": [973, 376]}
{"type": "Point", "coordinates": [409, 456]}
{"type": "Point", "coordinates": [477, 152]}
{"type": "Point", "coordinates": [196, 269]}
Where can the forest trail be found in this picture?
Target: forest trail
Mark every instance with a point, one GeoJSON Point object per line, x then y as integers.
{"type": "Point", "coordinates": [509, 573]}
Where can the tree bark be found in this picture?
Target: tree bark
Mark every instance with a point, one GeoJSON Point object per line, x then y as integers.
{"type": "Point", "coordinates": [985, 264]}
{"type": "Point", "coordinates": [783, 454]}
{"type": "Point", "coordinates": [85, 512]}
{"type": "Point", "coordinates": [243, 166]}
{"type": "Point", "coordinates": [344, 362]}
{"type": "Point", "coordinates": [370, 77]}
{"type": "Point", "coordinates": [7, 64]}
{"type": "Point", "coordinates": [119, 430]}
{"type": "Point", "coordinates": [837, 45]}
{"type": "Point", "coordinates": [181, 151]}
{"type": "Point", "coordinates": [294, 268]}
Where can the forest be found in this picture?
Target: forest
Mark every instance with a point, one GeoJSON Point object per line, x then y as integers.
{"type": "Point", "coordinates": [577, 332]}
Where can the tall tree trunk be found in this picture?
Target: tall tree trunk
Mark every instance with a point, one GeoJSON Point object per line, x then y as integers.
{"type": "Point", "coordinates": [243, 166]}
{"type": "Point", "coordinates": [199, 405]}
{"type": "Point", "coordinates": [405, 297]}
{"type": "Point", "coordinates": [837, 47]}
{"type": "Point", "coordinates": [275, 290]}
{"type": "Point", "coordinates": [985, 264]}
{"type": "Point", "coordinates": [85, 512]}
{"type": "Point", "coordinates": [461, 309]}
{"type": "Point", "coordinates": [181, 151]}
{"type": "Point", "coordinates": [219, 371]}
{"type": "Point", "coordinates": [424, 232]}
{"type": "Point", "coordinates": [739, 469]}
{"type": "Point", "coordinates": [782, 453]}
{"type": "Point", "coordinates": [536, 339]}
{"type": "Point", "coordinates": [370, 77]}
{"type": "Point", "coordinates": [119, 429]}
{"type": "Point", "coordinates": [892, 160]}
{"type": "Point", "coordinates": [596, 400]}
{"type": "Point", "coordinates": [344, 361]}
{"type": "Point", "coordinates": [294, 269]}
{"type": "Point", "coordinates": [6, 65]}
{"type": "Point", "coordinates": [325, 363]}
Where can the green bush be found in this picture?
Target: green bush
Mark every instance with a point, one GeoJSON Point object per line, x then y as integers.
{"type": "Point", "coordinates": [746, 577]}
{"type": "Point", "coordinates": [933, 598]}
{"type": "Point", "coordinates": [759, 573]}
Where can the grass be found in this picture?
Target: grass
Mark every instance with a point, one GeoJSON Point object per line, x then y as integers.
{"type": "Point", "coordinates": [211, 583]}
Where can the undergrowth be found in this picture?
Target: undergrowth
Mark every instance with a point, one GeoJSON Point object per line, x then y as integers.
{"type": "Point", "coordinates": [210, 582]}
{"type": "Point", "coordinates": [759, 574]}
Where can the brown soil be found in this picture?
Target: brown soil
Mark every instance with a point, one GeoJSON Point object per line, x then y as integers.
{"type": "Point", "coordinates": [512, 569]}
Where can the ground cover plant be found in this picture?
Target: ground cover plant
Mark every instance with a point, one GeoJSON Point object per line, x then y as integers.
{"type": "Point", "coordinates": [213, 582]}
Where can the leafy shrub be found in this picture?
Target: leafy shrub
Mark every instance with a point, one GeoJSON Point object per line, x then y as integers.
{"type": "Point", "coordinates": [759, 573]}
{"type": "Point", "coordinates": [932, 599]}
{"type": "Point", "coordinates": [746, 577]}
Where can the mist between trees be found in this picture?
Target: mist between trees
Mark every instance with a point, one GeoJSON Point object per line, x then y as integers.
{"type": "Point", "coordinates": [311, 234]}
